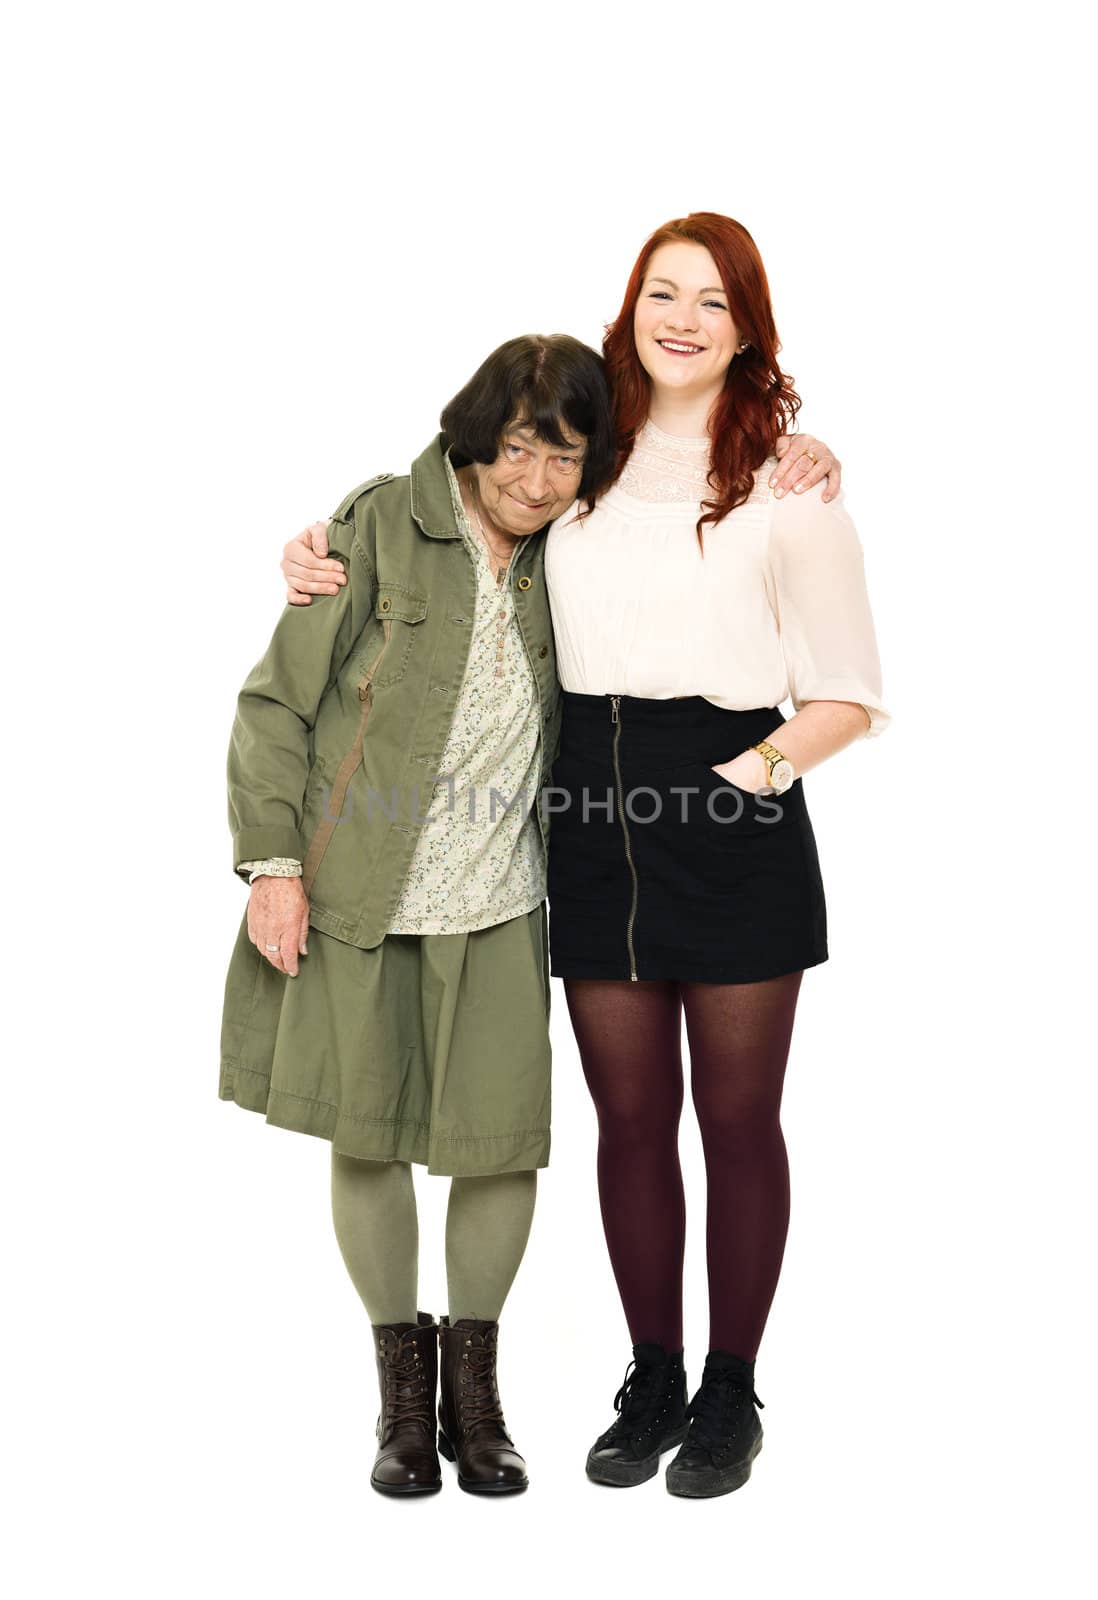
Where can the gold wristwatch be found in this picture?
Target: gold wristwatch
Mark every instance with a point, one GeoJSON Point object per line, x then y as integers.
{"type": "Point", "coordinates": [779, 768]}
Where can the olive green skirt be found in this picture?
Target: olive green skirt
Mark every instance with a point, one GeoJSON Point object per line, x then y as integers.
{"type": "Point", "coordinates": [431, 1047]}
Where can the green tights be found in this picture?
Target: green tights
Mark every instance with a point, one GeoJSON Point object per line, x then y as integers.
{"type": "Point", "coordinates": [377, 1226]}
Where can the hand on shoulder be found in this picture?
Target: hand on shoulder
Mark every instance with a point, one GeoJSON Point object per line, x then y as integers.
{"type": "Point", "coordinates": [804, 462]}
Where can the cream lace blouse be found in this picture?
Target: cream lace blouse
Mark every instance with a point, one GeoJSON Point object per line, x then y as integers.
{"type": "Point", "coordinates": [776, 608]}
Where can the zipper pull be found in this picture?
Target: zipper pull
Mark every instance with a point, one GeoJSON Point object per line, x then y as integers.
{"type": "Point", "coordinates": [615, 701]}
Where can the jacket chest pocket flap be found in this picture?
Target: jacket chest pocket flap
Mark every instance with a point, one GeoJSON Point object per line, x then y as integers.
{"type": "Point", "coordinates": [402, 608]}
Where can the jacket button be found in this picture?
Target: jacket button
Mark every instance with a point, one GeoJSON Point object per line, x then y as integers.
{"type": "Point", "coordinates": [386, 605]}
{"type": "Point", "coordinates": [544, 651]}
{"type": "Point", "coordinates": [524, 583]}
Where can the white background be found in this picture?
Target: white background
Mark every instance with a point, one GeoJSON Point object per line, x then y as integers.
{"type": "Point", "coordinates": [253, 250]}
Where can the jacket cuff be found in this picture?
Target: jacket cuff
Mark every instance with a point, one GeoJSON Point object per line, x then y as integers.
{"type": "Point", "coordinates": [260, 844]}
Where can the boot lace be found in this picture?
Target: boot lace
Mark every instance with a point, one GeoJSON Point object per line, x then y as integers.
{"type": "Point", "coordinates": [478, 1401]}
{"type": "Point", "coordinates": [406, 1398]}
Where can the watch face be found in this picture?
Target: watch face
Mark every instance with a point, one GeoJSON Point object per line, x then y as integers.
{"type": "Point", "coordinates": [781, 776]}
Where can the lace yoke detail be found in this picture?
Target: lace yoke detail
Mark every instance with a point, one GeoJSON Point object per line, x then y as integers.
{"type": "Point", "coordinates": [663, 467]}
{"type": "Point", "coordinates": [666, 469]}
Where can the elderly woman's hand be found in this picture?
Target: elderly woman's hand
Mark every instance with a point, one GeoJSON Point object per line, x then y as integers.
{"type": "Point", "coordinates": [802, 461]}
{"type": "Point", "coordinates": [278, 921]}
{"type": "Point", "coordinates": [305, 568]}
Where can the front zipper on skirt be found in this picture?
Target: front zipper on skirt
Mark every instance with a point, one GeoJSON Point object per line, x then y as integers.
{"type": "Point", "coordinates": [615, 718]}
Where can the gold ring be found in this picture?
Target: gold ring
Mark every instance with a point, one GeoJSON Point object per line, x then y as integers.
{"type": "Point", "coordinates": [811, 456]}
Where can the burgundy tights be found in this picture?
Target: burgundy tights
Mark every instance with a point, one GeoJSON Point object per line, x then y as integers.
{"type": "Point", "coordinates": [629, 1043]}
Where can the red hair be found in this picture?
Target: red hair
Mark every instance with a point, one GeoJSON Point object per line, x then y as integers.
{"type": "Point", "coordinates": [758, 402]}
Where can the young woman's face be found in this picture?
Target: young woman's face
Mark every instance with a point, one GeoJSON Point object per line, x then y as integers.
{"type": "Point", "coordinates": [530, 482]}
{"type": "Point", "coordinates": [684, 333]}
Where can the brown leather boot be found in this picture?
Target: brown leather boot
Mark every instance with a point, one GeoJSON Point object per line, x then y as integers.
{"type": "Point", "coordinates": [407, 1370]}
{"type": "Point", "coordinates": [471, 1426]}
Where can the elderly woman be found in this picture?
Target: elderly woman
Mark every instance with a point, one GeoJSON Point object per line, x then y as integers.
{"type": "Point", "coordinates": [389, 986]}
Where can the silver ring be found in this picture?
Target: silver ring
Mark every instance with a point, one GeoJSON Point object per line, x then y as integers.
{"type": "Point", "coordinates": [273, 948]}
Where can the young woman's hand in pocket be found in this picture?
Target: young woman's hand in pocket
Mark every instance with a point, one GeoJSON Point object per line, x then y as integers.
{"type": "Point", "coordinates": [747, 771]}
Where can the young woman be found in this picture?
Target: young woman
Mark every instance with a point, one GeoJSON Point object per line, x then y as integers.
{"type": "Point", "coordinates": [389, 986]}
{"type": "Point", "coordinates": [683, 874]}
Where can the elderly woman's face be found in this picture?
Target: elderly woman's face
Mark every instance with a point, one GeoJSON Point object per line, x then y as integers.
{"type": "Point", "coordinates": [530, 482]}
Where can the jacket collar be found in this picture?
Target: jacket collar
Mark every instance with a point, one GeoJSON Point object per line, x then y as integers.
{"type": "Point", "coordinates": [432, 506]}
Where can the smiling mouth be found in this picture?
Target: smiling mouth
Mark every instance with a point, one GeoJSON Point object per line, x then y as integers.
{"type": "Point", "coordinates": [528, 505]}
{"type": "Point", "coordinates": [676, 347]}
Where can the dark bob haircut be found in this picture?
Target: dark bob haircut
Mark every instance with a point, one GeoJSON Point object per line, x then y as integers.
{"type": "Point", "coordinates": [549, 382]}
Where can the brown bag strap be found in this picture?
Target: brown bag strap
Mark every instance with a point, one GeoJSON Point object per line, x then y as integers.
{"type": "Point", "coordinates": [333, 811]}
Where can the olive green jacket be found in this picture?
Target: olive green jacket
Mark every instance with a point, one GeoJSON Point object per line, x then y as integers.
{"type": "Point", "coordinates": [340, 728]}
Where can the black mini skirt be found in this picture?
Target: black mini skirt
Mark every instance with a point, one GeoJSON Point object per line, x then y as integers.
{"type": "Point", "coordinates": [658, 867]}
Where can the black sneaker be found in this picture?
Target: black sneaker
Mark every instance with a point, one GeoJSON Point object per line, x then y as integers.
{"type": "Point", "coordinates": [651, 1407]}
{"type": "Point", "coordinates": [725, 1433]}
